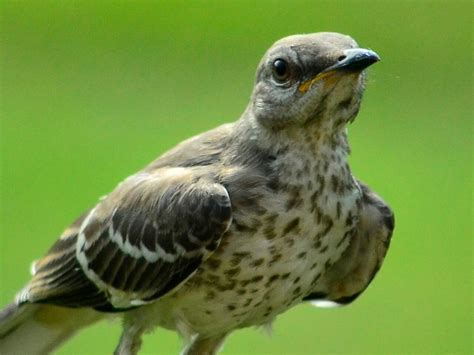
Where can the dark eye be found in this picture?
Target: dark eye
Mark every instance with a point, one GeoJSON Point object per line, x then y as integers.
{"type": "Point", "coordinates": [281, 70]}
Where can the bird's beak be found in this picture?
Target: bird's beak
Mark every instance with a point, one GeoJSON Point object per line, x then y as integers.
{"type": "Point", "coordinates": [353, 61]}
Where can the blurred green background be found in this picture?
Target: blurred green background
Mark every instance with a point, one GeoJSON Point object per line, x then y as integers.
{"type": "Point", "coordinates": [93, 91]}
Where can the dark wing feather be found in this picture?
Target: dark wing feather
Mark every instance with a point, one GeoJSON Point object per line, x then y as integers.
{"type": "Point", "coordinates": [58, 277]}
{"type": "Point", "coordinates": [139, 243]}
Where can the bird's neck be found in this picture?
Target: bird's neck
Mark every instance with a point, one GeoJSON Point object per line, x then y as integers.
{"type": "Point", "coordinates": [313, 141]}
{"type": "Point", "coordinates": [296, 154]}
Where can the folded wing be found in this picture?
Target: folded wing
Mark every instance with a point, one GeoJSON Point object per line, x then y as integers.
{"type": "Point", "coordinates": [139, 243]}
{"type": "Point", "coordinates": [361, 261]}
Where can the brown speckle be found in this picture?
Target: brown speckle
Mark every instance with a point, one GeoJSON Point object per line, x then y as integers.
{"type": "Point", "coordinates": [321, 182]}
{"type": "Point", "coordinates": [349, 219]}
{"type": "Point", "coordinates": [289, 242]}
{"type": "Point", "coordinates": [346, 235]}
{"type": "Point", "coordinates": [328, 224]}
{"type": "Point", "coordinates": [292, 225]}
{"type": "Point", "coordinates": [257, 262]}
{"type": "Point", "coordinates": [238, 257]}
{"type": "Point", "coordinates": [315, 279]}
{"type": "Point", "coordinates": [344, 104]}
{"type": "Point", "coordinates": [317, 213]}
{"type": "Point", "coordinates": [273, 250]}
{"type": "Point", "coordinates": [211, 278]}
{"type": "Point", "coordinates": [247, 303]}
{"type": "Point", "coordinates": [327, 264]}
{"type": "Point", "coordinates": [213, 263]}
{"type": "Point", "coordinates": [269, 232]}
{"type": "Point", "coordinates": [260, 210]}
{"type": "Point", "coordinates": [295, 199]}
{"type": "Point", "coordinates": [270, 219]}
{"type": "Point", "coordinates": [314, 200]}
{"type": "Point", "coordinates": [274, 259]}
{"type": "Point", "coordinates": [225, 287]}
{"type": "Point", "coordinates": [241, 291]}
{"type": "Point", "coordinates": [317, 244]}
{"type": "Point", "coordinates": [210, 295]}
{"type": "Point", "coordinates": [338, 209]}
{"type": "Point", "coordinates": [243, 228]}
{"type": "Point", "coordinates": [232, 272]}
{"type": "Point", "coordinates": [272, 279]}
{"type": "Point", "coordinates": [241, 254]}
{"type": "Point", "coordinates": [256, 278]}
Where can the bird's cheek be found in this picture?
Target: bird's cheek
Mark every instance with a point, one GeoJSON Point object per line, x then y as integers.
{"type": "Point", "coordinates": [268, 113]}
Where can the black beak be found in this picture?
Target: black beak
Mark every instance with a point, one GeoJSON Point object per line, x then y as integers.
{"type": "Point", "coordinates": [354, 60]}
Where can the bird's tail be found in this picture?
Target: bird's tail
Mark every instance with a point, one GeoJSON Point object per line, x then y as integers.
{"type": "Point", "coordinates": [39, 329]}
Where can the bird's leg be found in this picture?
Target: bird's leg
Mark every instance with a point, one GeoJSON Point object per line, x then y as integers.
{"type": "Point", "coordinates": [201, 345]}
{"type": "Point", "coordinates": [130, 341]}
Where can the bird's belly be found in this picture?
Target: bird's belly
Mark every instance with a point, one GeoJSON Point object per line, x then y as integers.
{"type": "Point", "coordinates": [255, 275]}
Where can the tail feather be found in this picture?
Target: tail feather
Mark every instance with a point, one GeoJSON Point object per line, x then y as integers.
{"type": "Point", "coordinates": [39, 329]}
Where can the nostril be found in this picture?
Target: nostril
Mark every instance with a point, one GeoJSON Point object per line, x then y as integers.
{"type": "Point", "coordinates": [341, 58]}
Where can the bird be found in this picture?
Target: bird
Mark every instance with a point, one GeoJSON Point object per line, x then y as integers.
{"type": "Point", "coordinates": [228, 229]}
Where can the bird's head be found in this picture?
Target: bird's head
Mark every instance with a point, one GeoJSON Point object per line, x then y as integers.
{"type": "Point", "coordinates": [310, 79]}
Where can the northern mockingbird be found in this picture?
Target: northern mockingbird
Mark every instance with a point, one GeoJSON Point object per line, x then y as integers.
{"type": "Point", "coordinates": [231, 227]}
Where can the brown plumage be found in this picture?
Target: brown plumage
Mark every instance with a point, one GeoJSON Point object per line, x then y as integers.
{"type": "Point", "coordinates": [231, 227]}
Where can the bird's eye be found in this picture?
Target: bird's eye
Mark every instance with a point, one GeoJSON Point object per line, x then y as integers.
{"type": "Point", "coordinates": [281, 71]}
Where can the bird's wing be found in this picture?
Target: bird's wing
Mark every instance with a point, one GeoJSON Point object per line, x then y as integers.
{"type": "Point", "coordinates": [137, 244]}
{"type": "Point", "coordinates": [360, 262]}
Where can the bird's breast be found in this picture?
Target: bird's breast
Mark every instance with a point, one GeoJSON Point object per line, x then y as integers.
{"type": "Point", "coordinates": [273, 255]}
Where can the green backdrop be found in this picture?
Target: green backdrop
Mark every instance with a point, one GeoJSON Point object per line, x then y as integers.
{"type": "Point", "coordinates": [93, 91]}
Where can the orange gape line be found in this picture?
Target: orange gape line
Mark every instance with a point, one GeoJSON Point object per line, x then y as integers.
{"type": "Point", "coordinates": [305, 86]}
{"type": "Point", "coordinates": [330, 77]}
